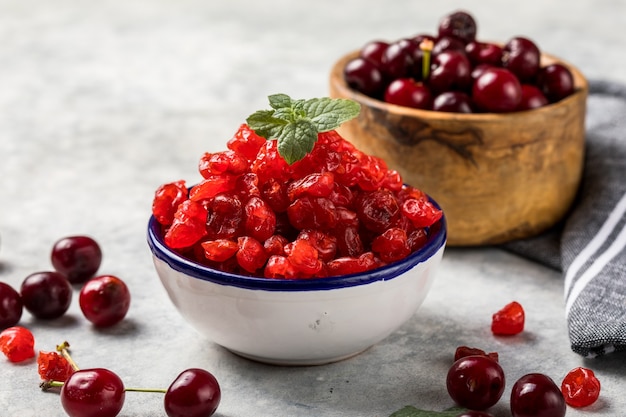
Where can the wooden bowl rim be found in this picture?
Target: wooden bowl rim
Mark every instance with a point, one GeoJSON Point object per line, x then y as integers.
{"type": "Point", "coordinates": [338, 82]}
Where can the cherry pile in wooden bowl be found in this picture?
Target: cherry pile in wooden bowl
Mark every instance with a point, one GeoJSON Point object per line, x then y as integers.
{"type": "Point", "coordinates": [493, 131]}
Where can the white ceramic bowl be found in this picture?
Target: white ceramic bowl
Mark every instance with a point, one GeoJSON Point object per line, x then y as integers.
{"type": "Point", "coordinates": [297, 322]}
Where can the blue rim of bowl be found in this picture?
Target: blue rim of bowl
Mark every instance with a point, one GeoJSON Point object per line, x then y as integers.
{"type": "Point", "coordinates": [181, 264]}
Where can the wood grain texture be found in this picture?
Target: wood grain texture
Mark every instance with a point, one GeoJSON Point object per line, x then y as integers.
{"type": "Point", "coordinates": [498, 177]}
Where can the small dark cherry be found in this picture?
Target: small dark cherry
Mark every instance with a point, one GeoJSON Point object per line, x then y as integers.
{"type": "Point", "coordinates": [453, 102]}
{"type": "Point", "coordinates": [194, 393]}
{"type": "Point", "coordinates": [555, 81]}
{"type": "Point", "coordinates": [536, 395]}
{"type": "Point", "coordinates": [522, 57]}
{"type": "Point", "coordinates": [46, 295]}
{"type": "Point", "coordinates": [497, 90]}
{"type": "Point", "coordinates": [459, 24]}
{"type": "Point", "coordinates": [76, 257]}
{"type": "Point", "coordinates": [11, 306]}
{"type": "Point", "coordinates": [364, 76]}
{"type": "Point", "coordinates": [475, 382]}
{"type": "Point", "coordinates": [532, 98]}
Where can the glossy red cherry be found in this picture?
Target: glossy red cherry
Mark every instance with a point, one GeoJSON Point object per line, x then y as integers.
{"type": "Point", "coordinates": [475, 382]}
{"type": "Point", "coordinates": [95, 392]}
{"type": "Point", "coordinates": [398, 59]}
{"type": "Point", "coordinates": [448, 43]}
{"type": "Point", "coordinates": [194, 393]}
{"type": "Point", "coordinates": [104, 300]}
{"type": "Point", "coordinates": [76, 257]}
{"type": "Point", "coordinates": [46, 295]}
{"type": "Point", "coordinates": [406, 92]}
{"type": "Point", "coordinates": [536, 395]}
{"type": "Point", "coordinates": [522, 57]}
{"type": "Point", "coordinates": [459, 24]}
{"type": "Point", "coordinates": [364, 76]}
{"type": "Point", "coordinates": [556, 82]}
{"type": "Point", "coordinates": [450, 70]}
{"type": "Point", "coordinates": [484, 53]}
{"type": "Point", "coordinates": [453, 101]}
{"type": "Point", "coordinates": [373, 51]}
{"type": "Point", "coordinates": [532, 98]}
{"type": "Point", "coordinates": [10, 306]}
{"type": "Point", "coordinates": [497, 90]}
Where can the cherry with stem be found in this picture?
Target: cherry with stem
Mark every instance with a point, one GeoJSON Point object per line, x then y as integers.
{"type": "Point", "coordinates": [99, 392]}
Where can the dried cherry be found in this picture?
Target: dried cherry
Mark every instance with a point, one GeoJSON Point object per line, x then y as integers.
{"type": "Point", "coordinates": [17, 343]}
{"type": "Point", "coordinates": [580, 387]}
{"type": "Point", "coordinates": [337, 210]}
{"type": "Point", "coordinates": [53, 367]}
{"type": "Point", "coordinates": [509, 320]}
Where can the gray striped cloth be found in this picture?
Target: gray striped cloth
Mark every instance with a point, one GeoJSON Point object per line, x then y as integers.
{"type": "Point", "coordinates": [589, 247]}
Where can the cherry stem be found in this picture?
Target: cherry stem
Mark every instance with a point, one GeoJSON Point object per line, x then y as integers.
{"type": "Point", "coordinates": [45, 385]}
{"type": "Point", "coordinates": [426, 46]}
{"type": "Point", "coordinates": [62, 348]}
{"type": "Point", "coordinates": [159, 390]}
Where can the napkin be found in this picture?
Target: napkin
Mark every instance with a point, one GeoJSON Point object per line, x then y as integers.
{"type": "Point", "coordinates": [589, 246]}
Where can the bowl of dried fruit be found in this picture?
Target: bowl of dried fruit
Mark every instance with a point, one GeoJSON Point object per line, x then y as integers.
{"type": "Point", "coordinates": [295, 253]}
{"type": "Point", "coordinates": [494, 132]}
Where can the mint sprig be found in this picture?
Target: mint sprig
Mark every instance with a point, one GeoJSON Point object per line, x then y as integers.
{"type": "Point", "coordinates": [295, 124]}
{"type": "Point", "coordinates": [410, 411]}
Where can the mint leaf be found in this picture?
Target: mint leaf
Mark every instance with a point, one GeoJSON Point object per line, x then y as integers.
{"type": "Point", "coordinates": [328, 114]}
{"type": "Point", "coordinates": [279, 101]}
{"type": "Point", "coordinates": [265, 124]}
{"type": "Point", "coordinates": [410, 411]}
{"type": "Point", "coordinates": [296, 140]}
{"type": "Point", "coordinates": [295, 124]}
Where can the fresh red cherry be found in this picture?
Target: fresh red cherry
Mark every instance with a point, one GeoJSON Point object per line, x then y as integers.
{"type": "Point", "coordinates": [104, 300]}
{"type": "Point", "coordinates": [556, 82]}
{"type": "Point", "coordinates": [194, 393]}
{"type": "Point", "coordinates": [407, 92]}
{"type": "Point", "coordinates": [532, 98]}
{"type": "Point", "coordinates": [536, 395]}
{"type": "Point", "coordinates": [475, 382]}
{"type": "Point", "coordinates": [478, 70]}
{"type": "Point", "coordinates": [497, 90]}
{"type": "Point", "coordinates": [448, 43]}
{"type": "Point", "coordinates": [484, 53]}
{"type": "Point", "coordinates": [373, 51]}
{"type": "Point", "coordinates": [76, 257]}
{"type": "Point", "coordinates": [453, 101]}
{"type": "Point", "coordinates": [364, 76]}
{"type": "Point", "coordinates": [46, 295]}
{"type": "Point", "coordinates": [522, 57]}
{"type": "Point", "coordinates": [450, 70]}
{"type": "Point", "coordinates": [10, 306]}
{"type": "Point", "coordinates": [459, 24]}
{"type": "Point", "coordinates": [95, 392]}
{"type": "Point", "coordinates": [397, 60]}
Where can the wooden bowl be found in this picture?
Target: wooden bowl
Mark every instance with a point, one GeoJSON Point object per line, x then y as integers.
{"type": "Point", "coordinates": [498, 177]}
